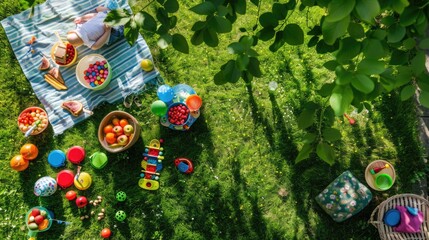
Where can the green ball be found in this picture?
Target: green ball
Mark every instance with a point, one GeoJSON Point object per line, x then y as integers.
{"type": "Point", "coordinates": [121, 196]}
{"type": "Point", "coordinates": [159, 108]}
{"type": "Point", "coordinates": [120, 215]}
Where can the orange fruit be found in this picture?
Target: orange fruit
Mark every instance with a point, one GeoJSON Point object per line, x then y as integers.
{"type": "Point", "coordinates": [110, 138]}
{"type": "Point", "coordinates": [44, 224]}
{"type": "Point", "coordinates": [108, 129]}
{"type": "Point", "coordinates": [123, 122]}
{"type": "Point", "coordinates": [18, 163]}
{"type": "Point", "coordinates": [29, 151]}
{"type": "Point", "coordinates": [115, 122]}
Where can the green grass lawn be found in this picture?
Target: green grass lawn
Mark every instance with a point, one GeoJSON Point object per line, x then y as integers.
{"type": "Point", "coordinates": [245, 184]}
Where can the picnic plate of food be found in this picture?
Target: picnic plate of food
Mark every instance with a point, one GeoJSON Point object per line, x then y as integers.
{"type": "Point", "coordinates": [63, 54]}
{"type": "Point", "coordinates": [93, 72]}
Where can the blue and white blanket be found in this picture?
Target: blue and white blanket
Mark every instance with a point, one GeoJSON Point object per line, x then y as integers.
{"type": "Point", "coordinates": [58, 15]}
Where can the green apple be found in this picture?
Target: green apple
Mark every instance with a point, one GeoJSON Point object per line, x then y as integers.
{"type": "Point", "coordinates": [122, 140]}
{"type": "Point", "coordinates": [128, 129]}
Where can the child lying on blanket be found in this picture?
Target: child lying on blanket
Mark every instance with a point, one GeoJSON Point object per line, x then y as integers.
{"type": "Point", "coordinates": [92, 32]}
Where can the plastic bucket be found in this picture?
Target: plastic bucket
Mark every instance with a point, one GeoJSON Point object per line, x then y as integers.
{"type": "Point", "coordinates": [383, 181]}
{"type": "Point", "coordinates": [65, 178]}
{"type": "Point", "coordinates": [76, 154]}
{"type": "Point", "coordinates": [57, 158]}
{"type": "Point", "coordinates": [33, 233]}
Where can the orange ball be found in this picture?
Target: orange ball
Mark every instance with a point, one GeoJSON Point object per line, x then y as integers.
{"type": "Point", "coordinates": [18, 163]}
{"type": "Point", "coordinates": [105, 233]}
{"type": "Point", "coordinates": [29, 151]}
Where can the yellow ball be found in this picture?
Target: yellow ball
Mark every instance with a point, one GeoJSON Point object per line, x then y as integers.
{"type": "Point", "coordinates": [147, 65]}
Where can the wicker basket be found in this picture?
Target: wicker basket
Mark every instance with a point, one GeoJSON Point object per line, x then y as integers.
{"type": "Point", "coordinates": [107, 119]}
{"type": "Point", "coordinates": [386, 232]}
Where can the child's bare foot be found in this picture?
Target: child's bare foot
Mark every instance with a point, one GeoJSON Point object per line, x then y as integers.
{"type": "Point", "coordinates": [78, 20]}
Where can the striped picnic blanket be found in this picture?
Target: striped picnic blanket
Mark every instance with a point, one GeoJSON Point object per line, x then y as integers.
{"type": "Point", "coordinates": [58, 15]}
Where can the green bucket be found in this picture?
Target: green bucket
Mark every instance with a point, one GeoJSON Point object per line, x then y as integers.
{"type": "Point", "coordinates": [33, 232]}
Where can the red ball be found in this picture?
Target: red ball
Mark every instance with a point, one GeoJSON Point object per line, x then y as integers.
{"type": "Point", "coordinates": [71, 195]}
{"type": "Point", "coordinates": [81, 202]}
{"type": "Point", "coordinates": [105, 233]}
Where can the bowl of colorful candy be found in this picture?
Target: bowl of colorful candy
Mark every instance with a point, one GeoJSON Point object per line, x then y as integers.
{"type": "Point", "coordinates": [33, 117]}
{"type": "Point", "coordinates": [64, 54]}
{"type": "Point", "coordinates": [93, 72]}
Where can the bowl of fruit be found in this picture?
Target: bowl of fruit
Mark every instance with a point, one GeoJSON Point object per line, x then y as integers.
{"type": "Point", "coordinates": [33, 120]}
{"type": "Point", "coordinates": [93, 72]}
{"type": "Point", "coordinates": [178, 114]}
{"type": "Point", "coordinates": [38, 219]}
{"type": "Point", "coordinates": [118, 131]}
{"type": "Point", "coordinates": [63, 54]}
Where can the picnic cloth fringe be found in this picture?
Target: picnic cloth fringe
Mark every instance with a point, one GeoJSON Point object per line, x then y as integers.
{"type": "Point", "coordinates": [58, 15]}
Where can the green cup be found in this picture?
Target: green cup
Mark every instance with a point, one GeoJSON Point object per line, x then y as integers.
{"type": "Point", "coordinates": [383, 181]}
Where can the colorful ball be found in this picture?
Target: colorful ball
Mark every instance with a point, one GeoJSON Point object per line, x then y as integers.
{"type": "Point", "coordinates": [71, 195]}
{"type": "Point", "coordinates": [45, 186]}
{"type": "Point", "coordinates": [159, 108]}
{"type": "Point", "coordinates": [121, 196]}
{"type": "Point", "coordinates": [120, 215]}
{"type": "Point", "coordinates": [105, 233]}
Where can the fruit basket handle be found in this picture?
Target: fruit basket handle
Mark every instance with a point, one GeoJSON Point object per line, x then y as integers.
{"type": "Point", "coordinates": [371, 220]}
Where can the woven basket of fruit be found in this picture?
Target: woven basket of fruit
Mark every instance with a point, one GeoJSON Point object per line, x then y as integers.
{"type": "Point", "coordinates": [118, 131]}
{"type": "Point", "coordinates": [33, 120]}
{"type": "Point", "coordinates": [63, 54]}
{"type": "Point", "coordinates": [38, 219]}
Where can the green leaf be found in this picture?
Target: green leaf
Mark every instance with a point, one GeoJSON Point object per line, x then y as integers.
{"type": "Point", "coordinates": [407, 92]}
{"type": "Point", "coordinates": [268, 20]}
{"type": "Point", "coordinates": [231, 72]}
{"type": "Point", "coordinates": [410, 43]}
{"type": "Point", "coordinates": [278, 42]}
{"type": "Point", "coordinates": [379, 34]}
{"type": "Point", "coordinates": [308, 3]}
{"type": "Point", "coordinates": [326, 89]}
{"type": "Point", "coordinates": [219, 78]}
{"type": "Point", "coordinates": [204, 8]}
{"type": "Point", "coordinates": [210, 37]}
{"type": "Point", "coordinates": [222, 11]}
{"type": "Point", "coordinates": [404, 75]}
{"type": "Point", "coordinates": [117, 17]}
{"type": "Point", "coordinates": [255, 2]}
{"type": "Point", "coordinates": [370, 66]}
{"type": "Point", "coordinates": [171, 6]}
{"type": "Point", "coordinates": [363, 83]}
{"type": "Point", "coordinates": [180, 44]}
{"type": "Point", "coordinates": [395, 33]}
{"type": "Point", "coordinates": [325, 152]}
{"type": "Point", "coordinates": [279, 10]}
{"type": "Point", "coordinates": [162, 16]}
{"type": "Point", "coordinates": [418, 63]}
{"type": "Point", "coordinates": [373, 48]}
{"type": "Point", "coordinates": [149, 22]}
{"type": "Point", "coordinates": [340, 99]}
{"type": "Point", "coordinates": [409, 16]}
{"type": "Point", "coordinates": [424, 44]}
{"type": "Point", "coordinates": [198, 25]}
{"type": "Point", "coordinates": [398, 57]}
{"type": "Point", "coordinates": [235, 48]}
{"type": "Point", "coordinates": [306, 118]}
{"type": "Point", "coordinates": [339, 9]}
{"type": "Point", "coordinates": [331, 134]}
{"type": "Point", "coordinates": [333, 30]}
{"type": "Point", "coordinates": [349, 48]}
{"type": "Point", "coordinates": [220, 24]}
{"type": "Point", "coordinates": [266, 34]}
{"type": "Point", "coordinates": [293, 34]}
{"type": "Point", "coordinates": [253, 67]}
{"type": "Point", "coordinates": [316, 30]}
{"type": "Point", "coordinates": [388, 20]}
{"type": "Point", "coordinates": [131, 32]}
{"type": "Point", "coordinates": [356, 30]}
{"type": "Point", "coordinates": [242, 62]}
{"type": "Point", "coordinates": [367, 10]}
{"type": "Point", "coordinates": [399, 5]}
{"type": "Point", "coordinates": [424, 99]}
{"type": "Point", "coordinates": [304, 153]}
{"type": "Point", "coordinates": [331, 65]}
{"type": "Point", "coordinates": [313, 41]}
{"type": "Point", "coordinates": [173, 21]}
{"type": "Point", "coordinates": [197, 37]}
{"type": "Point", "coordinates": [240, 6]}
{"type": "Point", "coordinates": [309, 138]}
{"type": "Point", "coordinates": [344, 77]}
{"type": "Point", "coordinates": [164, 41]}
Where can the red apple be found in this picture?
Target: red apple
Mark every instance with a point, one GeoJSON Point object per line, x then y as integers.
{"type": "Point", "coordinates": [122, 140]}
{"type": "Point", "coordinates": [81, 202]}
{"type": "Point", "coordinates": [38, 219]}
{"type": "Point", "coordinates": [35, 212]}
{"type": "Point", "coordinates": [118, 130]}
